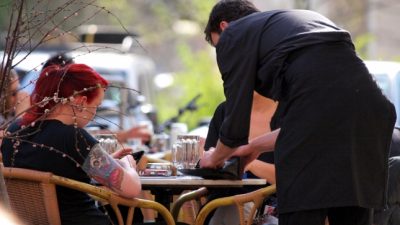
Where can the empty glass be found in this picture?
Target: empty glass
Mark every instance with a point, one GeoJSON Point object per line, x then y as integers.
{"type": "Point", "coordinates": [186, 151]}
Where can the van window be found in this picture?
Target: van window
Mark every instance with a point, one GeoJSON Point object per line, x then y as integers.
{"type": "Point", "coordinates": [383, 82]}
{"type": "Point", "coordinates": [113, 94]}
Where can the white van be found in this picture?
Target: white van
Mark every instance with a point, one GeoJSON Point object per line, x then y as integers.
{"type": "Point", "coordinates": [132, 73]}
{"type": "Point", "coordinates": [387, 76]}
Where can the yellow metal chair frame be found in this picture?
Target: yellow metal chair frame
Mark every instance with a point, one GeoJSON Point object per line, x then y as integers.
{"type": "Point", "coordinates": [33, 197]}
{"type": "Point", "coordinates": [256, 197]}
{"type": "Point", "coordinates": [192, 195]}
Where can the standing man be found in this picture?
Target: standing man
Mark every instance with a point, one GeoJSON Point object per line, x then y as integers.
{"type": "Point", "coordinates": [332, 147]}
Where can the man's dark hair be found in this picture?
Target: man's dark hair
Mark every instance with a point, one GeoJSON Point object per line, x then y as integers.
{"type": "Point", "coordinates": [58, 59]}
{"type": "Point", "coordinates": [227, 10]}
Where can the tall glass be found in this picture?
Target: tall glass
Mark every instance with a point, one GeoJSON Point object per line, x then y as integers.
{"type": "Point", "coordinates": [186, 151]}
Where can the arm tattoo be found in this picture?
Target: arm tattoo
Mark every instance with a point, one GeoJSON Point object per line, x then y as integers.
{"type": "Point", "coordinates": [103, 168]}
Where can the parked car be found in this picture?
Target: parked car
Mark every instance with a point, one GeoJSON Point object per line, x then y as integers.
{"type": "Point", "coordinates": [387, 76]}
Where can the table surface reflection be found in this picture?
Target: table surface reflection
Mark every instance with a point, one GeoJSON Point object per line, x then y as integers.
{"type": "Point", "coordinates": [192, 182]}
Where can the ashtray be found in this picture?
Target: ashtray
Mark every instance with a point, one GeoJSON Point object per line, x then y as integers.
{"type": "Point", "coordinates": [158, 169]}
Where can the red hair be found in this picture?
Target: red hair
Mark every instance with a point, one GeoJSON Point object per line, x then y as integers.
{"type": "Point", "coordinates": [58, 83]}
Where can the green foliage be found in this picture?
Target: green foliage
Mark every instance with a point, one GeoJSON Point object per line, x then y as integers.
{"type": "Point", "coordinates": [199, 73]}
{"type": "Point", "coordinates": [397, 59]}
{"type": "Point", "coordinates": [199, 76]}
{"type": "Point", "coordinates": [203, 9]}
{"type": "Point", "coordinates": [361, 43]}
{"type": "Point", "coordinates": [4, 14]}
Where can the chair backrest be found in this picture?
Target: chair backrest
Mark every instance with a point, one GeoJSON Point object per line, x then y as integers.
{"type": "Point", "coordinates": [189, 196]}
{"type": "Point", "coordinates": [32, 196]}
{"type": "Point", "coordinates": [257, 197]}
{"type": "Point", "coordinates": [4, 201]}
{"type": "Point", "coordinates": [115, 200]}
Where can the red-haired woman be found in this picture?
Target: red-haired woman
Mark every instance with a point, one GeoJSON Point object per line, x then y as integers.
{"type": "Point", "coordinates": [50, 137]}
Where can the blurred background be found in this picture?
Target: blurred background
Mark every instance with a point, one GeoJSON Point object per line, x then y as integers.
{"type": "Point", "coordinates": [173, 67]}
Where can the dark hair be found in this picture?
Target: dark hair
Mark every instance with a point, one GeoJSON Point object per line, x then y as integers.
{"type": "Point", "coordinates": [227, 10]}
{"type": "Point", "coordinates": [58, 83]}
{"type": "Point", "coordinates": [58, 59]}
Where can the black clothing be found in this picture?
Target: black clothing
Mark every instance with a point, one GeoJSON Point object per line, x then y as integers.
{"type": "Point", "coordinates": [395, 144]}
{"type": "Point", "coordinates": [391, 214]}
{"type": "Point", "coordinates": [214, 126]}
{"type": "Point", "coordinates": [54, 147]}
{"type": "Point", "coordinates": [336, 124]}
{"type": "Point", "coordinates": [336, 216]}
{"type": "Point", "coordinates": [212, 139]}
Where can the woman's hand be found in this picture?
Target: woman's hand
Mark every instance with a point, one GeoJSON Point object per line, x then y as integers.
{"type": "Point", "coordinates": [128, 162]}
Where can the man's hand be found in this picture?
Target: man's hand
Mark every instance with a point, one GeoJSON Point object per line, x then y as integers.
{"type": "Point", "coordinates": [207, 161]}
{"type": "Point", "coordinates": [246, 153]}
{"type": "Point", "coordinates": [215, 157]}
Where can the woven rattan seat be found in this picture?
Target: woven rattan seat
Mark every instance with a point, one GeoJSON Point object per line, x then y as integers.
{"type": "Point", "coordinates": [33, 198]}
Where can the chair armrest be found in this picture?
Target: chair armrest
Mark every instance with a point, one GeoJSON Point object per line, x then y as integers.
{"type": "Point", "coordinates": [210, 206]}
{"type": "Point", "coordinates": [239, 200]}
{"type": "Point", "coordinates": [114, 200]}
{"type": "Point", "coordinates": [177, 205]}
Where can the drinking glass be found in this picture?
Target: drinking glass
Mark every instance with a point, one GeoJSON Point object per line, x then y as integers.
{"type": "Point", "coordinates": [186, 151]}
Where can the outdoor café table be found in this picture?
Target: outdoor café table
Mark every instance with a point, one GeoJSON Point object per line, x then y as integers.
{"type": "Point", "coordinates": [163, 188]}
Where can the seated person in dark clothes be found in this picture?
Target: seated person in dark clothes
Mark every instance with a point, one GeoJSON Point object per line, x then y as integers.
{"type": "Point", "coordinates": [50, 137]}
{"type": "Point", "coordinates": [395, 145]}
{"type": "Point", "coordinates": [261, 114]}
{"type": "Point", "coordinates": [391, 215]}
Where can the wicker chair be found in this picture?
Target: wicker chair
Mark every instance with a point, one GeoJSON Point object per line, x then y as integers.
{"type": "Point", "coordinates": [190, 196]}
{"type": "Point", "coordinates": [4, 202]}
{"type": "Point", "coordinates": [256, 197]}
{"type": "Point", "coordinates": [33, 197]}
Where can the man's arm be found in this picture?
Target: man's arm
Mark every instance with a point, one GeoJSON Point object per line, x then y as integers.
{"type": "Point", "coordinates": [216, 157]}
{"type": "Point", "coordinates": [265, 142]}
